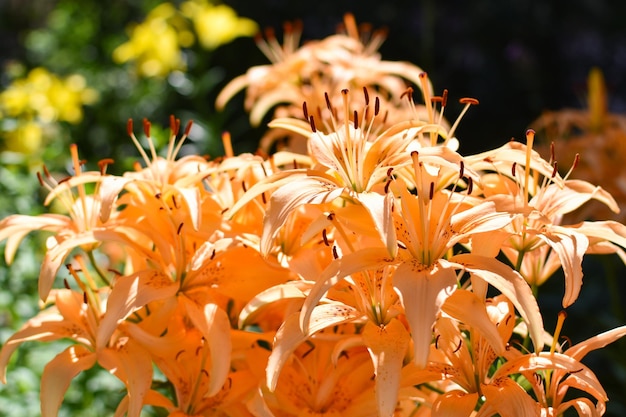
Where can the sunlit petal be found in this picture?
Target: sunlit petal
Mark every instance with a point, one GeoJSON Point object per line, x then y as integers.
{"type": "Point", "coordinates": [387, 345]}
{"type": "Point", "coordinates": [58, 374]}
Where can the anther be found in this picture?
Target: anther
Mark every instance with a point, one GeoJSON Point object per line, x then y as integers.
{"type": "Point", "coordinates": [312, 123]}
{"type": "Point", "coordinates": [180, 227]}
{"type": "Point", "coordinates": [461, 169]}
{"type": "Point", "coordinates": [470, 185]}
{"type": "Point", "coordinates": [212, 255]}
{"type": "Point", "coordinates": [468, 100]}
{"type": "Point", "coordinates": [444, 98]}
{"type": "Point", "coordinates": [129, 127]}
{"type": "Point", "coordinates": [555, 169]}
{"type": "Point", "coordinates": [146, 127]}
{"type": "Point", "coordinates": [188, 127]}
{"type": "Point", "coordinates": [66, 284]}
{"type": "Point", "coordinates": [376, 106]}
{"type": "Point", "coordinates": [335, 254]}
{"type": "Point", "coordinates": [356, 120]}
{"type": "Point", "coordinates": [325, 237]}
{"type": "Point", "coordinates": [328, 105]}
{"type": "Point", "coordinates": [366, 95]}
{"type": "Point", "coordinates": [305, 111]}
{"type": "Point", "coordinates": [513, 168]}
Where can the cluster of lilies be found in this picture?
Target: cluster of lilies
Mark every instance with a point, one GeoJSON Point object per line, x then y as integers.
{"type": "Point", "coordinates": [363, 267]}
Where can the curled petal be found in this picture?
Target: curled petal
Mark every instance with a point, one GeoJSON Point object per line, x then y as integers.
{"type": "Point", "coordinates": [58, 374]}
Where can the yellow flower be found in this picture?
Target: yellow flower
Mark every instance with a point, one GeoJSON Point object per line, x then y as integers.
{"type": "Point", "coordinates": [216, 25]}
{"type": "Point", "coordinates": [154, 44]}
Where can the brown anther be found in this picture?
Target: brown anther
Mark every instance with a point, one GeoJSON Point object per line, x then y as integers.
{"type": "Point", "coordinates": [188, 127]}
{"type": "Point", "coordinates": [174, 125]}
{"type": "Point", "coordinates": [212, 255]}
{"type": "Point", "coordinates": [243, 186]}
{"type": "Point", "coordinates": [470, 185]}
{"type": "Point", "coordinates": [555, 169]}
{"type": "Point", "coordinates": [129, 127]}
{"type": "Point", "coordinates": [401, 244]}
{"type": "Point", "coordinates": [444, 98]}
{"type": "Point", "coordinates": [331, 216]}
{"type": "Point", "coordinates": [408, 93]}
{"type": "Point", "coordinates": [437, 341]}
{"type": "Point", "coordinates": [356, 120]}
{"type": "Point", "coordinates": [335, 254]}
{"type": "Point", "coordinates": [146, 127]}
{"type": "Point", "coordinates": [40, 179]}
{"type": "Point", "coordinates": [312, 123]}
{"type": "Point", "coordinates": [325, 237]}
{"type": "Point", "coordinates": [377, 107]}
{"type": "Point", "coordinates": [103, 163]}
{"type": "Point", "coordinates": [468, 100]}
{"type": "Point", "coordinates": [66, 284]}
{"type": "Point", "coordinates": [328, 105]}
{"type": "Point", "coordinates": [305, 111]}
{"type": "Point", "coordinates": [180, 227]}
{"type": "Point", "coordinates": [263, 198]}
{"type": "Point", "coordinates": [85, 298]}
{"type": "Point", "coordinates": [461, 169]}
{"type": "Point", "coordinates": [576, 160]}
{"type": "Point", "coordinates": [387, 184]}
{"type": "Point", "coordinates": [366, 95]}
{"type": "Point", "coordinates": [431, 192]}
{"type": "Point", "coordinates": [513, 168]}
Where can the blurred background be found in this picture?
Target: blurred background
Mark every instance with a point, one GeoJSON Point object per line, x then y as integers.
{"type": "Point", "coordinates": [519, 58]}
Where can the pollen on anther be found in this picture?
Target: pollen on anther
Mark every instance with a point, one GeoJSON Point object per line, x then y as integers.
{"type": "Point", "coordinates": [468, 100]}
{"type": "Point", "coordinates": [312, 123]}
{"type": "Point", "coordinates": [146, 127]}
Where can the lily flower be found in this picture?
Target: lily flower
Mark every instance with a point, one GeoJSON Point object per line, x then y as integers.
{"type": "Point", "coordinates": [77, 316]}
{"type": "Point", "coordinates": [536, 241]}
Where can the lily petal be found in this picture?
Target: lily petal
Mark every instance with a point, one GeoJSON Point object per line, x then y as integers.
{"type": "Point", "coordinates": [58, 374]}
{"type": "Point", "coordinates": [387, 345]}
{"type": "Point", "coordinates": [423, 292]}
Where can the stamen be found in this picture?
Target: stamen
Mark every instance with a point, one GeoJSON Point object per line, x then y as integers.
{"type": "Point", "coordinates": [461, 169]}
{"type": "Point", "coordinates": [228, 145]}
{"type": "Point", "coordinates": [431, 192]}
{"type": "Point", "coordinates": [305, 111]}
{"type": "Point", "coordinates": [366, 96]}
{"type": "Point", "coordinates": [312, 123]}
{"type": "Point", "coordinates": [146, 127]}
{"type": "Point", "coordinates": [557, 331]}
{"type": "Point", "coordinates": [356, 120]}
{"type": "Point", "coordinates": [174, 125]}
{"type": "Point", "coordinates": [377, 107]}
{"type": "Point", "coordinates": [325, 237]}
{"type": "Point", "coordinates": [335, 255]}
{"type": "Point", "coordinates": [180, 227]}
{"type": "Point", "coordinates": [470, 185]}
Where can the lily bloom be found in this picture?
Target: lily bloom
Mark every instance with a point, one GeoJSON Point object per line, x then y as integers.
{"type": "Point", "coordinates": [77, 316]}
{"type": "Point", "coordinates": [536, 241]}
